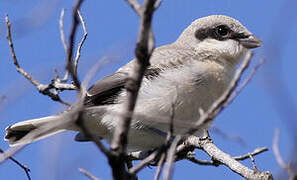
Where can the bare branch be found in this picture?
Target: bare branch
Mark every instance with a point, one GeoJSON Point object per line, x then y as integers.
{"type": "Point", "coordinates": [278, 157]}
{"type": "Point", "coordinates": [44, 89]}
{"type": "Point", "coordinates": [87, 174]}
{"type": "Point", "coordinates": [160, 166]}
{"type": "Point", "coordinates": [61, 27]}
{"type": "Point", "coordinates": [220, 157]}
{"type": "Point", "coordinates": [70, 65]}
{"type": "Point", "coordinates": [63, 40]}
{"type": "Point", "coordinates": [145, 162]}
{"type": "Point", "coordinates": [201, 162]}
{"type": "Point", "coordinates": [135, 6]}
{"type": "Point", "coordinates": [253, 162]}
{"type": "Point", "coordinates": [24, 167]}
{"type": "Point", "coordinates": [171, 158]}
{"type": "Point", "coordinates": [14, 58]}
{"type": "Point", "coordinates": [276, 152]}
{"type": "Point", "coordinates": [254, 153]}
{"type": "Point", "coordinates": [81, 42]}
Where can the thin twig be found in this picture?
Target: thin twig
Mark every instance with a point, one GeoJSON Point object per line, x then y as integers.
{"type": "Point", "coordinates": [61, 28]}
{"type": "Point", "coordinates": [254, 153]}
{"type": "Point", "coordinates": [219, 157]}
{"type": "Point", "coordinates": [87, 174]}
{"type": "Point", "coordinates": [70, 65]}
{"type": "Point", "coordinates": [144, 162]}
{"type": "Point", "coordinates": [63, 40]}
{"type": "Point", "coordinates": [81, 42]}
{"type": "Point", "coordinates": [201, 162]}
{"type": "Point", "coordinates": [44, 89]}
{"type": "Point", "coordinates": [135, 6]}
{"type": "Point", "coordinates": [24, 167]}
{"type": "Point", "coordinates": [281, 162]}
{"type": "Point", "coordinates": [253, 162]}
{"type": "Point", "coordinates": [160, 166]}
{"type": "Point", "coordinates": [14, 58]}
{"type": "Point", "coordinates": [171, 158]}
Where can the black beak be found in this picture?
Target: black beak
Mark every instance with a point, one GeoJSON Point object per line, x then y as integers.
{"type": "Point", "coordinates": [251, 42]}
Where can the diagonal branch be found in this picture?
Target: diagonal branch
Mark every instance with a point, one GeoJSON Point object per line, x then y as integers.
{"type": "Point", "coordinates": [81, 42]}
{"type": "Point", "coordinates": [42, 88]}
{"type": "Point", "coordinates": [219, 157]}
{"type": "Point", "coordinates": [88, 174]}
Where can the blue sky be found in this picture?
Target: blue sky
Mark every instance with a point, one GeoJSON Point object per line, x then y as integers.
{"type": "Point", "coordinates": [268, 102]}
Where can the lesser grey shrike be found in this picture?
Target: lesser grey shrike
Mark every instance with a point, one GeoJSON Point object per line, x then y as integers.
{"type": "Point", "coordinates": [190, 73]}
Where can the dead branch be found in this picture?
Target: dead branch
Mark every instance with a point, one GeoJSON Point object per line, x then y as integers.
{"type": "Point", "coordinates": [286, 166]}
{"type": "Point", "coordinates": [219, 157]}
{"type": "Point", "coordinates": [160, 166]}
{"type": "Point", "coordinates": [70, 67]}
{"type": "Point", "coordinates": [55, 85]}
{"type": "Point", "coordinates": [254, 153]}
{"type": "Point", "coordinates": [63, 40]}
{"type": "Point", "coordinates": [88, 174]}
{"type": "Point", "coordinates": [171, 158]}
{"type": "Point", "coordinates": [143, 51]}
{"type": "Point", "coordinates": [80, 44]}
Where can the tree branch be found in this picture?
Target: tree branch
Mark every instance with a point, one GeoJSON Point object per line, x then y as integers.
{"type": "Point", "coordinates": [278, 157]}
{"type": "Point", "coordinates": [42, 88]}
{"type": "Point", "coordinates": [70, 66]}
{"type": "Point", "coordinates": [88, 174]}
{"type": "Point", "coordinates": [143, 51]}
{"type": "Point", "coordinates": [219, 157]}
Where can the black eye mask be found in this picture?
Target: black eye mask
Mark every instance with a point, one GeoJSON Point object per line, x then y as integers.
{"type": "Point", "coordinates": [219, 32]}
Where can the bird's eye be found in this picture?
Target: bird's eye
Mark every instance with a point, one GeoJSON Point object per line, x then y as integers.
{"type": "Point", "coordinates": [222, 31]}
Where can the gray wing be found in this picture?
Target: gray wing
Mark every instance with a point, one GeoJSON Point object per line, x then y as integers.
{"type": "Point", "coordinates": [105, 91]}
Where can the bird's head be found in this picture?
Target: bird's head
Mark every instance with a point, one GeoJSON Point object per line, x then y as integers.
{"type": "Point", "coordinates": [219, 37]}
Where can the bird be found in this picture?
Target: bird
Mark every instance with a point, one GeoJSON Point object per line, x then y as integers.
{"type": "Point", "coordinates": [183, 77]}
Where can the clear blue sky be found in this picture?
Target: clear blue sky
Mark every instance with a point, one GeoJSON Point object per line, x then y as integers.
{"type": "Point", "coordinates": [267, 103]}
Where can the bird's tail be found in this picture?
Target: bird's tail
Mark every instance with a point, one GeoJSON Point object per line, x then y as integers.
{"type": "Point", "coordinates": [32, 130]}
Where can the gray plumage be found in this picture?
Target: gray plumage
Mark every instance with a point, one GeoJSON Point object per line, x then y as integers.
{"type": "Point", "coordinates": [190, 73]}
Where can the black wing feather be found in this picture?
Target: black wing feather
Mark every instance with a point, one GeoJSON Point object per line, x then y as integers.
{"type": "Point", "coordinates": [105, 91]}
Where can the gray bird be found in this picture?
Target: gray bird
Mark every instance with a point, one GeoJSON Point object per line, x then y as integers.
{"type": "Point", "coordinates": [190, 73]}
